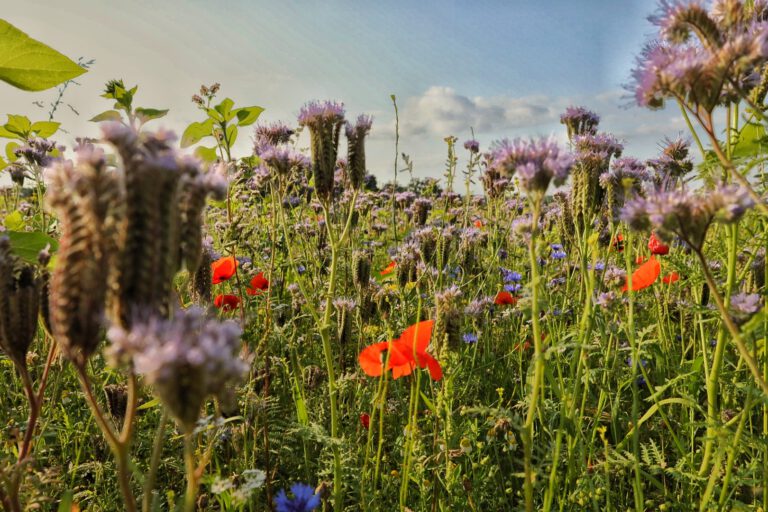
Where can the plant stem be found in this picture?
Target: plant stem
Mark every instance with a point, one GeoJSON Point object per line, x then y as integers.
{"type": "Point", "coordinates": [154, 463]}
{"type": "Point", "coordinates": [190, 496]}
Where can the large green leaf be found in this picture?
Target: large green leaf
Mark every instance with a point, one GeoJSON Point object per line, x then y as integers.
{"type": "Point", "coordinates": [195, 132]}
{"type": "Point", "coordinates": [107, 115]}
{"type": "Point", "coordinates": [225, 109]}
{"type": "Point", "coordinates": [231, 135]}
{"type": "Point", "coordinates": [27, 245]}
{"type": "Point", "coordinates": [248, 115]}
{"type": "Point", "coordinates": [751, 141]}
{"type": "Point", "coordinates": [148, 114]}
{"type": "Point", "coordinates": [45, 128]}
{"type": "Point", "coordinates": [18, 125]}
{"type": "Point", "coordinates": [206, 154]}
{"type": "Point", "coordinates": [31, 65]}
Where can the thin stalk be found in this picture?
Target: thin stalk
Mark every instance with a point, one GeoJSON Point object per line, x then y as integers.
{"type": "Point", "coordinates": [154, 463]}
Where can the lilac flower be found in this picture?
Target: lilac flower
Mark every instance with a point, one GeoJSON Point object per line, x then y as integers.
{"type": "Point", "coordinates": [273, 134]}
{"type": "Point", "coordinates": [472, 146]}
{"type": "Point", "coordinates": [743, 304]}
{"type": "Point", "coordinates": [579, 121]}
{"type": "Point", "coordinates": [510, 276]}
{"type": "Point", "coordinates": [185, 359]}
{"type": "Point", "coordinates": [304, 499]}
{"type": "Point", "coordinates": [470, 338]}
{"type": "Point", "coordinates": [477, 307]}
{"type": "Point", "coordinates": [686, 214]}
{"type": "Point", "coordinates": [607, 300]}
{"type": "Point", "coordinates": [536, 162]}
{"type": "Point", "coordinates": [558, 255]}
{"type": "Point", "coordinates": [283, 160]}
{"type": "Point", "coordinates": [513, 288]}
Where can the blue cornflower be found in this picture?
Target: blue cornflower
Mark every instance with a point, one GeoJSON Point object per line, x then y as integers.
{"type": "Point", "coordinates": [305, 499]}
{"type": "Point", "coordinates": [301, 269]}
{"type": "Point", "coordinates": [470, 338]}
{"type": "Point", "coordinates": [556, 247]}
{"type": "Point", "coordinates": [512, 288]}
{"type": "Point", "coordinates": [510, 276]}
{"type": "Point", "coordinates": [503, 254]}
{"type": "Point", "coordinates": [557, 254]}
{"type": "Point", "coordinates": [599, 266]}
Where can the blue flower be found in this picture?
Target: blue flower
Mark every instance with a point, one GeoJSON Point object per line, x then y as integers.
{"type": "Point", "coordinates": [513, 288]}
{"type": "Point", "coordinates": [304, 500]}
{"type": "Point", "coordinates": [556, 247]}
{"type": "Point", "coordinates": [301, 269]}
{"type": "Point", "coordinates": [557, 254]}
{"type": "Point", "coordinates": [510, 276]}
{"type": "Point", "coordinates": [470, 338]}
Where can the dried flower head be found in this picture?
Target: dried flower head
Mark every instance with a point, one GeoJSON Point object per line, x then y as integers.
{"type": "Point", "coordinates": [85, 195]}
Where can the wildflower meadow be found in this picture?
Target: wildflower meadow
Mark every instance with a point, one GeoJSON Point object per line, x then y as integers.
{"type": "Point", "coordinates": [550, 324]}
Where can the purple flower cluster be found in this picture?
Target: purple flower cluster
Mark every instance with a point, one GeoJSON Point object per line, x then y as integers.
{"type": "Point", "coordinates": [579, 121]}
{"type": "Point", "coordinates": [722, 62]}
{"type": "Point", "coordinates": [185, 359]}
{"type": "Point", "coordinates": [687, 214]}
{"type": "Point", "coordinates": [536, 162]}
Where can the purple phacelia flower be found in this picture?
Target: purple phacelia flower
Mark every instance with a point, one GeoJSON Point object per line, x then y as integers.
{"type": "Point", "coordinates": [536, 162]}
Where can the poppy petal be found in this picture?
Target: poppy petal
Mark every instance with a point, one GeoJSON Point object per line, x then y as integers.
{"type": "Point", "coordinates": [223, 269]}
{"type": "Point", "coordinates": [418, 336]}
{"type": "Point", "coordinates": [671, 278]}
{"type": "Point", "coordinates": [645, 275]}
{"type": "Point", "coordinates": [403, 370]}
{"type": "Point", "coordinates": [389, 269]}
{"type": "Point", "coordinates": [435, 371]}
{"type": "Point", "coordinates": [371, 359]}
{"type": "Point", "coordinates": [505, 298]}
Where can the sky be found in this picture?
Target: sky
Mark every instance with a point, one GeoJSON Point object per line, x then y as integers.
{"type": "Point", "coordinates": [502, 68]}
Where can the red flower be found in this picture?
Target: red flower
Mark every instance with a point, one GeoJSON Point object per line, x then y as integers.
{"type": "Point", "coordinates": [405, 354]}
{"type": "Point", "coordinates": [618, 242]}
{"type": "Point", "coordinates": [670, 278]}
{"type": "Point", "coordinates": [365, 420]}
{"type": "Point", "coordinates": [478, 223]}
{"type": "Point", "coordinates": [505, 298]}
{"type": "Point", "coordinates": [259, 284]}
{"type": "Point", "coordinates": [389, 269]}
{"type": "Point", "coordinates": [645, 275]}
{"type": "Point", "coordinates": [226, 302]}
{"type": "Point", "coordinates": [656, 247]}
{"type": "Point", "coordinates": [223, 269]}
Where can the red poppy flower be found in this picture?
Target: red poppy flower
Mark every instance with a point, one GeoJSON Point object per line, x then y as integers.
{"type": "Point", "coordinates": [226, 302]}
{"type": "Point", "coordinates": [656, 247]}
{"type": "Point", "coordinates": [478, 223]}
{"type": "Point", "coordinates": [405, 354]}
{"type": "Point", "coordinates": [389, 269]}
{"type": "Point", "coordinates": [618, 242]}
{"type": "Point", "coordinates": [365, 420]}
{"type": "Point", "coordinates": [223, 269]}
{"type": "Point", "coordinates": [505, 298]}
{"type": "Point", "coordinates": [259, 284]}
{"type": "Point", "coordinates": [670, 278]}
{"type": "Point", "coordinates": [645, 275]}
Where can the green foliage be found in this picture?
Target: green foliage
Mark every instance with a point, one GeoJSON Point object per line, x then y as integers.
{"type": "Point", "coordinates": [31, 65]}
{"type": "Point", "coordinates": [221, 124]}
{"type": "Point", "coordinates": [123, 110]}
{"type": "Point", "coordinates": [27, 245]}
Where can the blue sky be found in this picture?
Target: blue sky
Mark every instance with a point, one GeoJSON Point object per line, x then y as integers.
{"type": "Point", "coordinates": [505, 68]}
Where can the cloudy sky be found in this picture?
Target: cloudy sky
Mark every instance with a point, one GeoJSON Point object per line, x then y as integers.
{"type": "Point", "coordinates": [502, 68]}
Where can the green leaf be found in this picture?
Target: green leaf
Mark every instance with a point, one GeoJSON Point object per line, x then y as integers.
{"type": "Point", "coordinates": [19, 125]}
{"type": "Point", "coordinates": [213, 114]}
{"type": "Point", "coordinates": [148, 405]}
{"type": "Point", "coordinates": [30, 65]}
{"type": "Point", "coordinates": [248, 115]}
{"type": "Point", "coordinates": [45, 128]}
{"type": "Point", "coordinates": [195, 132]}
{"type": "Point", "coordinates": [225, 109]}
{"type": "Point", "coordinates": [148, 114]}
{"type": "Point", "coordinates": [206, 154]}
{"type": "Point", "coordinates": [231, 135]}
{"type": "Point", "coordinates": [9, 135]}
{"type": "Point", "coordinates": [27, 245]}
{"type": "Point", "coordinates": [751, 141]}
{"type": "Point", "coordinates": [65, 505]}
{"type": "Point", "coordinates": [9, 148]}
{"type": "Point", "coordinates": [107, 115]}
{"type": "Point", "coordinates": [3, 164]}
{"type": "Point", "coordinates": [14, 221]}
